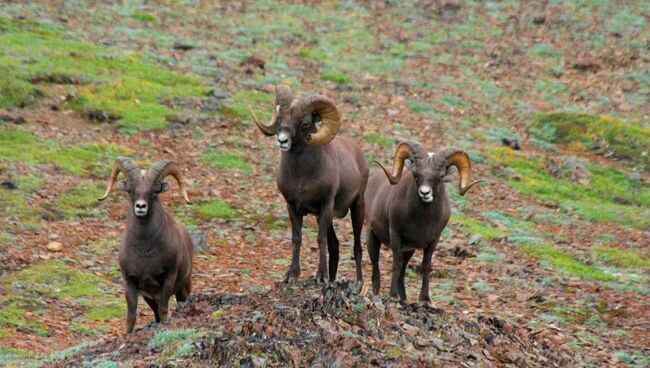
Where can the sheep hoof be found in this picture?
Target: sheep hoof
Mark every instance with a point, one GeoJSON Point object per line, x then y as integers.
{"type": "Point", "coordinates": [181, 305]}
{"type": "Point", "coordinates": [357, 286]}
{"type": "Point", "coordinates": [292, 276]}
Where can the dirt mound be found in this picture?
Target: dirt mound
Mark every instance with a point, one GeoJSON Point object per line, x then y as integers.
{"type": "Point", "coordinates": [307, 324]}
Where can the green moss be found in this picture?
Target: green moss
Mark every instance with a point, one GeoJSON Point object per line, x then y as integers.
{"type": "Point", "coordinates": [225, 161]}
{"type": "Point", "coordinates": [621, 258]}
{"type": "Point", "coordinates": [474, 226]}
{"type": "Point", "coordinates": [335, 76]}
{"type": "Point", "coordinates": [380, 140]}
{"type": "Point", "coordinates": [82, 159]}
{"type": "Point", "coordinates": [567, 263]}
{"type": "Point", "coordinates": [215, 209]}
{"type": "Point", "coordinates": [604, 134]}
{"type": "Point", "coordinates": [81, 201]}
{"type": "Point", "coordinates": [609, 196]}
{"type": "Point", "coordinates": [56, 280]}
{"type": "Point", "coordinates": [123, 86]}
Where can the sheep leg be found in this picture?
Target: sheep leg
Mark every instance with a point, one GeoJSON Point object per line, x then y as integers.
{"type": "Point", "coordinates": [374, 246]}
{"type": "Point", "coordinates": [357, 213]}
{"type": "Point", "coordinates": [296, 242]}
{"type": "Point", "coordinates": [324, 222]}
{"type": "Point", "coordinates": [333, 250]}
{"type": "Point", "coordinates": [153, 304]}
{"type": "Point", "coordinates": [165, 294]}
{"type": "Point", "coordinates": [426, 271]}
{"type": "Point", "coordinates": [181, 295]}
{"type": "Point", "coordinates": [398, 257]}
{"type": "Point", "coordinates": [405, 262]}
{"type": "Point", "coordinates": [131, 293]}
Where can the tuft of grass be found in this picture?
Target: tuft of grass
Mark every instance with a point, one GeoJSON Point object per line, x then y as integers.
{"type": "Point", "coordinates": [621, 257]}
{"type": "Point", "coordinates": [474, 226]}
{"type": "Point", "coordinates": [17, 202]}
{"type": "Point", "coordinates": [215, 209]}
{"type": "Point", "coordinates": [60, 355]}
{"type": "Point", "coordinates": [101, 247]}
{"type": "Point", "coordinates": [121, 87]}
{"type": "Point", "coordinates": [225, 161]}
{"type": "Point", "coordinates": [419, 107]}
{"type": "Point", "coordinates": [602, 134]}
{"type": "Point", "coordinates": [144, 17]}
{"type": "Point", "coordinates": [171, 341]}
{"type": "Point", "coordinates": [236, 107]}
{"type": "Point", "coordinates": [380, 140]}
{"type": "Point", "coordinates": [80, 160]}
{"type": "Point", "coordinates": [565, 262]}
{"type": "Point", "coordinates": [544, 51]}
{"type": "Point", "coordinates": [10, 357]}
{"type": "Point", "coordinates": [335, 76]}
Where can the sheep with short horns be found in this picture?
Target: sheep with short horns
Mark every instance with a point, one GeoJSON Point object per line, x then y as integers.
{"type": "Point", "coordinates": [155, 257]}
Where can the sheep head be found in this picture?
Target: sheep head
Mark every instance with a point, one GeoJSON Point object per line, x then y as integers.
{"type": "Point", "coordinates": [142, 186]}
{"type": "Point", "coordinates": [294, 120]}
{"type": "Point", "coordinates": [429, 169]}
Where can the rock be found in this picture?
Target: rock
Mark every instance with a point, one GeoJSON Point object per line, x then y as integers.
{"type": "Point", "coordinates": [9, 185]}
{"type": "Point", "coordinates": [54, 246]}
{"type": "Point", "coordinates": [199, 240]}
{"type": "Point", "coordinates": [87, 263]}
{"type": "Point", "coordinates": [184, 46]}
{"type": "Point", "coordinates": [474, 239]}
{"type": "Point", "coordinates": [18, 120]}
{"type": "Point", "coordinates": [539, 19]}
{"type": "Point", "coordinates": [512, 143]}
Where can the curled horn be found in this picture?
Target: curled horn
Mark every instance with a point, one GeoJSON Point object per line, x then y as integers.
{"type": "Point", "coordinates": [330, 117]}
{"type": "Point", "coordinates": [161, 169]}
{"type": "Point", "coordinates": [460, 159]}
{"type": "Point", "coordinates": [283, 98]}
{"type": "Point", "coordinates": [126, 166]}
{"type": "Point", "coordinates": [404, 151]}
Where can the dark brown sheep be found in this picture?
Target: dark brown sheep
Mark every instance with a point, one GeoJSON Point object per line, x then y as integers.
{"type": "Point", "coordinates": [409, 212]}
{"type": "Point", "coordinates": [156, 252]}
{"type": "Point", "coordinates": [320, 173]}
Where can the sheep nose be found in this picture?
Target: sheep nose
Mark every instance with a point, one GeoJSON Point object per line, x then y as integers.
{"type": "Point", "coordinates": [140, 207]}
{"type": "Point", "coordinates": [283, 140]}
{"type": "Point", "coordinates": [425, 190]}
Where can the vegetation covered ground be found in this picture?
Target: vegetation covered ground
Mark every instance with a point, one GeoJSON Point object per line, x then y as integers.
{"type": "Point", "coordinates": [548, 261]}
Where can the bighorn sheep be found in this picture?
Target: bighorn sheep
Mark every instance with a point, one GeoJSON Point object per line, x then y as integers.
{"type": "Point", "coordinates": [156, 252]}
{"type": "Point", "coordinates": [320, 173]}
{"type": "Point", "coordinates": [409, 212]}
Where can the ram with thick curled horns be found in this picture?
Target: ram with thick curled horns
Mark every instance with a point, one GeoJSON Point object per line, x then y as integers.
{"type": "Point", "coordinates": [320, 173]}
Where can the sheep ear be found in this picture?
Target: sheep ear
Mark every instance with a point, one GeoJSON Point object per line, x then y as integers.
{"type": "Point", "coordinates": [408, 163]}
{"type": "Point", "coordinates": [164, 186]}
{"type": "Point", "coordinates": [121, 184]}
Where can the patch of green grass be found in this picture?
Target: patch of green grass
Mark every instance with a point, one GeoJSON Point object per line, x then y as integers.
{"type": "Point", "coordinates": [610, 196]}
{"type": "Point", "coordinates": [490, 255]}
{"type": "Point", "coordinates": [101, 247]}
{"type": "Point", "coordinates": [107, 311]}
{"type": "Point", "coordinates": [419, 107]}
{"type": "Point", "coordinates": [602, 134]}
{"type": "Point", "coordinates": [474, 226]}
{"type": "Point", "coordinates": [81, 201]}
{"type": "Point", "coordinates": [54, 279]}
{"type": "Point", "coordinates": [13, 315]}
{"type": "Point", "coordinates": [60, 355]}
{"type": "Point", "coordinates": [483, 286]}
{"type": "Point", "coordinates": [82, 159]}
{"type": "Point", "coordinates": [335, 76]}
{"type": "Point", "coordinates": [225, 161]}
{"type": "Point", "coordinates": [215, 209]}
{"type": "Point", "coordinates": [125, 87]}
{"type": "Point", "coordinates": [565, 262]}
{"type": "Point", "coordinates": [144, 17]}
{"type": "Point", "coordinates": [175, 343]}
{"type": "Point", "coordinates": [621, 257]}
{"type": "Point", "coordinates": [16, 202]}
{"type": "Point", "coordinates": [236, 107]}
{"type": "Point", "coordinates": [380, 140]}
{"type": "Point", "coordinates": [10, 357]}
{"type": "Point", "coordinates": [544, 51]}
